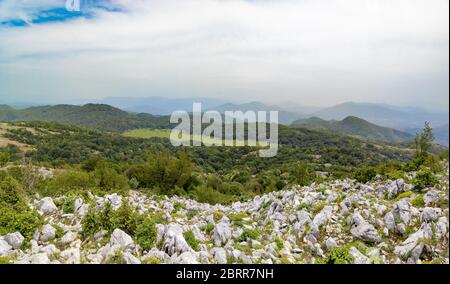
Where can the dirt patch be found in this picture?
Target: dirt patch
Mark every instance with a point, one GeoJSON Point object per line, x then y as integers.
{"type": "Point", "coordinates": [4, 141]}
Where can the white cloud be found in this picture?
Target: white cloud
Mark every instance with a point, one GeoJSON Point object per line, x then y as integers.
{"type": "Point", "coordinates": [312, 51]}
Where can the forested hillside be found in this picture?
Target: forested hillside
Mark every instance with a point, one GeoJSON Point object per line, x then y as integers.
{"type": "Point", "coordinates": [357, 127]}
{"type": "Point", "coordinates": [96, 116]}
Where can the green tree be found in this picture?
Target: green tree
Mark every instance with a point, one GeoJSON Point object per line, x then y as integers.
{"type": "Point", "coordinates": [424, 140]}
{"type": "Point", "coordinates": [302, 174]}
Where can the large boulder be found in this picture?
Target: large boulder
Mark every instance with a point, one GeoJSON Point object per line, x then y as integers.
{"type": "Point", "coordinates": [428, 215]}
{"type": "Point", "coordinates": [402, 211]}
{"type": "Point", "coordinates": [174, 242]}
{"type": "Point", "coordinates": [188, 257]}
{"type": "Point", "coordinates": [121, 239]}
{"type": "Point", "coordinates": [431, 197]}
{"type": "Point", "coordinates": [364, 231]}
{"type": "Point", "coordinates": [424, 233]}
{"type": "Point", "coordinates": [48, 233]}
{"type": "Point", "coordinates": [71, 256]}
{"type": "Point", "coordinates": [47, 206]}
{"type": "Point", "coordinates": [222, 233]}
{"type": "Point", "coordinates": [220, 255]}
{"type": "Point", "coordinates": [4, 247]}
{"type": "Point", "coordinates": [15, 240]}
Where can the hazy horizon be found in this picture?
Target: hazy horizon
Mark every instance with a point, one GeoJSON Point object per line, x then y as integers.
{"type": "Point", "coordinates": [310, 53]}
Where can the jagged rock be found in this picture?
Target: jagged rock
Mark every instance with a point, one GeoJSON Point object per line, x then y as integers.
{"type": "Point", "coordinates": [222, 233]}
{"type": "Point", "coordinates": [40, 258]}
{"type": "Point", "coordinates": [425, 232]}
{"type": "Point", "coordinates": [321, 219]}
{"type": "Point", "coordinates": [15, 240]}
{"type": "Point", "coordinates": [402, 211]}
{"type": "Point", "coordinates": [188, 258]}
{"type": "Point", "coordinates": [115, 200]}
{"type": "Point", "coordinates": [330, 243]}
{"type": "Point", "coordinates": [174, 242]}
{"type": "Point", "coordinates": [68, 238]}
{"type": "Point", "coordinates": [48, 233]}
{"type": "Point", "coordinates": [358, 256]}
{"type": "Point", "coordinates": [160, 230]}
{"type": "Point", "coordinates": [50, 250]}
{"type": "Point", "coordinates": [128, 258]}
{"type": "Point", "coordinates": [441, 228]}
{"type": "Point", "coordinates": [4, 247]}
{"type": "Point", "coordinates": [71, 256]}
{"type": "Point", "coordinates": [80, 207]}
{"type": "Point", "coordinates": [431, 197]}
{"type": "Point", "coordinates": [389, 221]}
{"type": "Point", "coordinates": [428, 215]}
{"type": "Point", "coordinates": [219, 255]}
{"type": "Point", "coordinates": [363, 230]}
{"type": "Point", "coordinates": [47, 206]}
{"type": "Point", "coordinates": [121, 239]}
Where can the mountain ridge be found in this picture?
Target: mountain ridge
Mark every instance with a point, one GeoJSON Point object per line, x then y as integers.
{"type": "Point", "coordinates": [357, 127]}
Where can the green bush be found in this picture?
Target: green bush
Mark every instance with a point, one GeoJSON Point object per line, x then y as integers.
{"type": "Point", "coordinates": [191, 240]}
{"type": "Point", "coordinates": [248, 235]}
{"type": "Point", "coordinates": [23, 220]}
{"type": "Point", "coordinates": [146, 233]}
{"type": "Point", "coordinates": [205, 194]}
{"type": "Point", "coordinates": [303, 174]}
{"type": "Point", "coordinates": [418, 201]}
{"type": "Point", "coordinates": [364, 174]}
{"type": "Point", "coordinates": [338, 255]}
{"type": "Point", "coordinates": [15, 215]}
{"type": "Point", "coordinates": [124, 218]}
{"type": "Point", "coordinates": [424, 178]}
{"type": "Point", "coordinates": [67, 182]}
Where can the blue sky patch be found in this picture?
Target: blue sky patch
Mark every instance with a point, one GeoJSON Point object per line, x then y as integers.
{"type": "Point", "coordinates": [61, 14]}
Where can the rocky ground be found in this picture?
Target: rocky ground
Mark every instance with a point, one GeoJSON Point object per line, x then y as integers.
{"type": "Point", "coordinates": [337, 222]}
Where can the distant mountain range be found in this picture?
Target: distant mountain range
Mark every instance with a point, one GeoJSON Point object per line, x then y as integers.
{"type": "Point", "coordinates": [160, 105]}
{"type": "Point", "coordinates": [441, 134]}
{"type": "Point", "coordinates": [356, 127]}
{"type": "Point", "coordinates": [97, 116]}
{"type": "Point", "coordinates": [385, 115]}
{"type": "Point", "coordinates": [284, 117]}
{"type": "Point", "coordinates": [368, 121]}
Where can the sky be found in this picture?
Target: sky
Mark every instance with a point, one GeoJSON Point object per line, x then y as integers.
{"type": "Point", "coordinates": [305, 52]}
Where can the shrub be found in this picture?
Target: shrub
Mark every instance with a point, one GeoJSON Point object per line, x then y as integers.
{"type": "Point", "coordinates": [124, 218]}
{"type": "Point", "coordinates": [303, 174]}
{"type": "Point", "coordinates": [191, 240]}
{"type": "Point", "coordinates": [146, 233]}
{"type": "Point", "coordinates": [15, 215]}
{"type": "Point", "coordinates": [205, 194]}
{"type": "Point", "coordinates": [424, 178]}
{"type": "Point", "coordinates": [23, 220]}
{"type": "Point", "coordinates": [67, 182]}
{"type": "Point", "coordinates": [418, 201]}
{"type": "Point", "coordinates": [338, 255]}
{"type": "Point", "coordinates": [248, 235]}
{"type": "Point", "coordinates": [68, 205]}
{"type": "Point", "coordinates": [364, 174]}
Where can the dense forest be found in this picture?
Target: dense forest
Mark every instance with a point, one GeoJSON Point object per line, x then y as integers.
{"type": "Point", "coordinates": [106, 161]}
